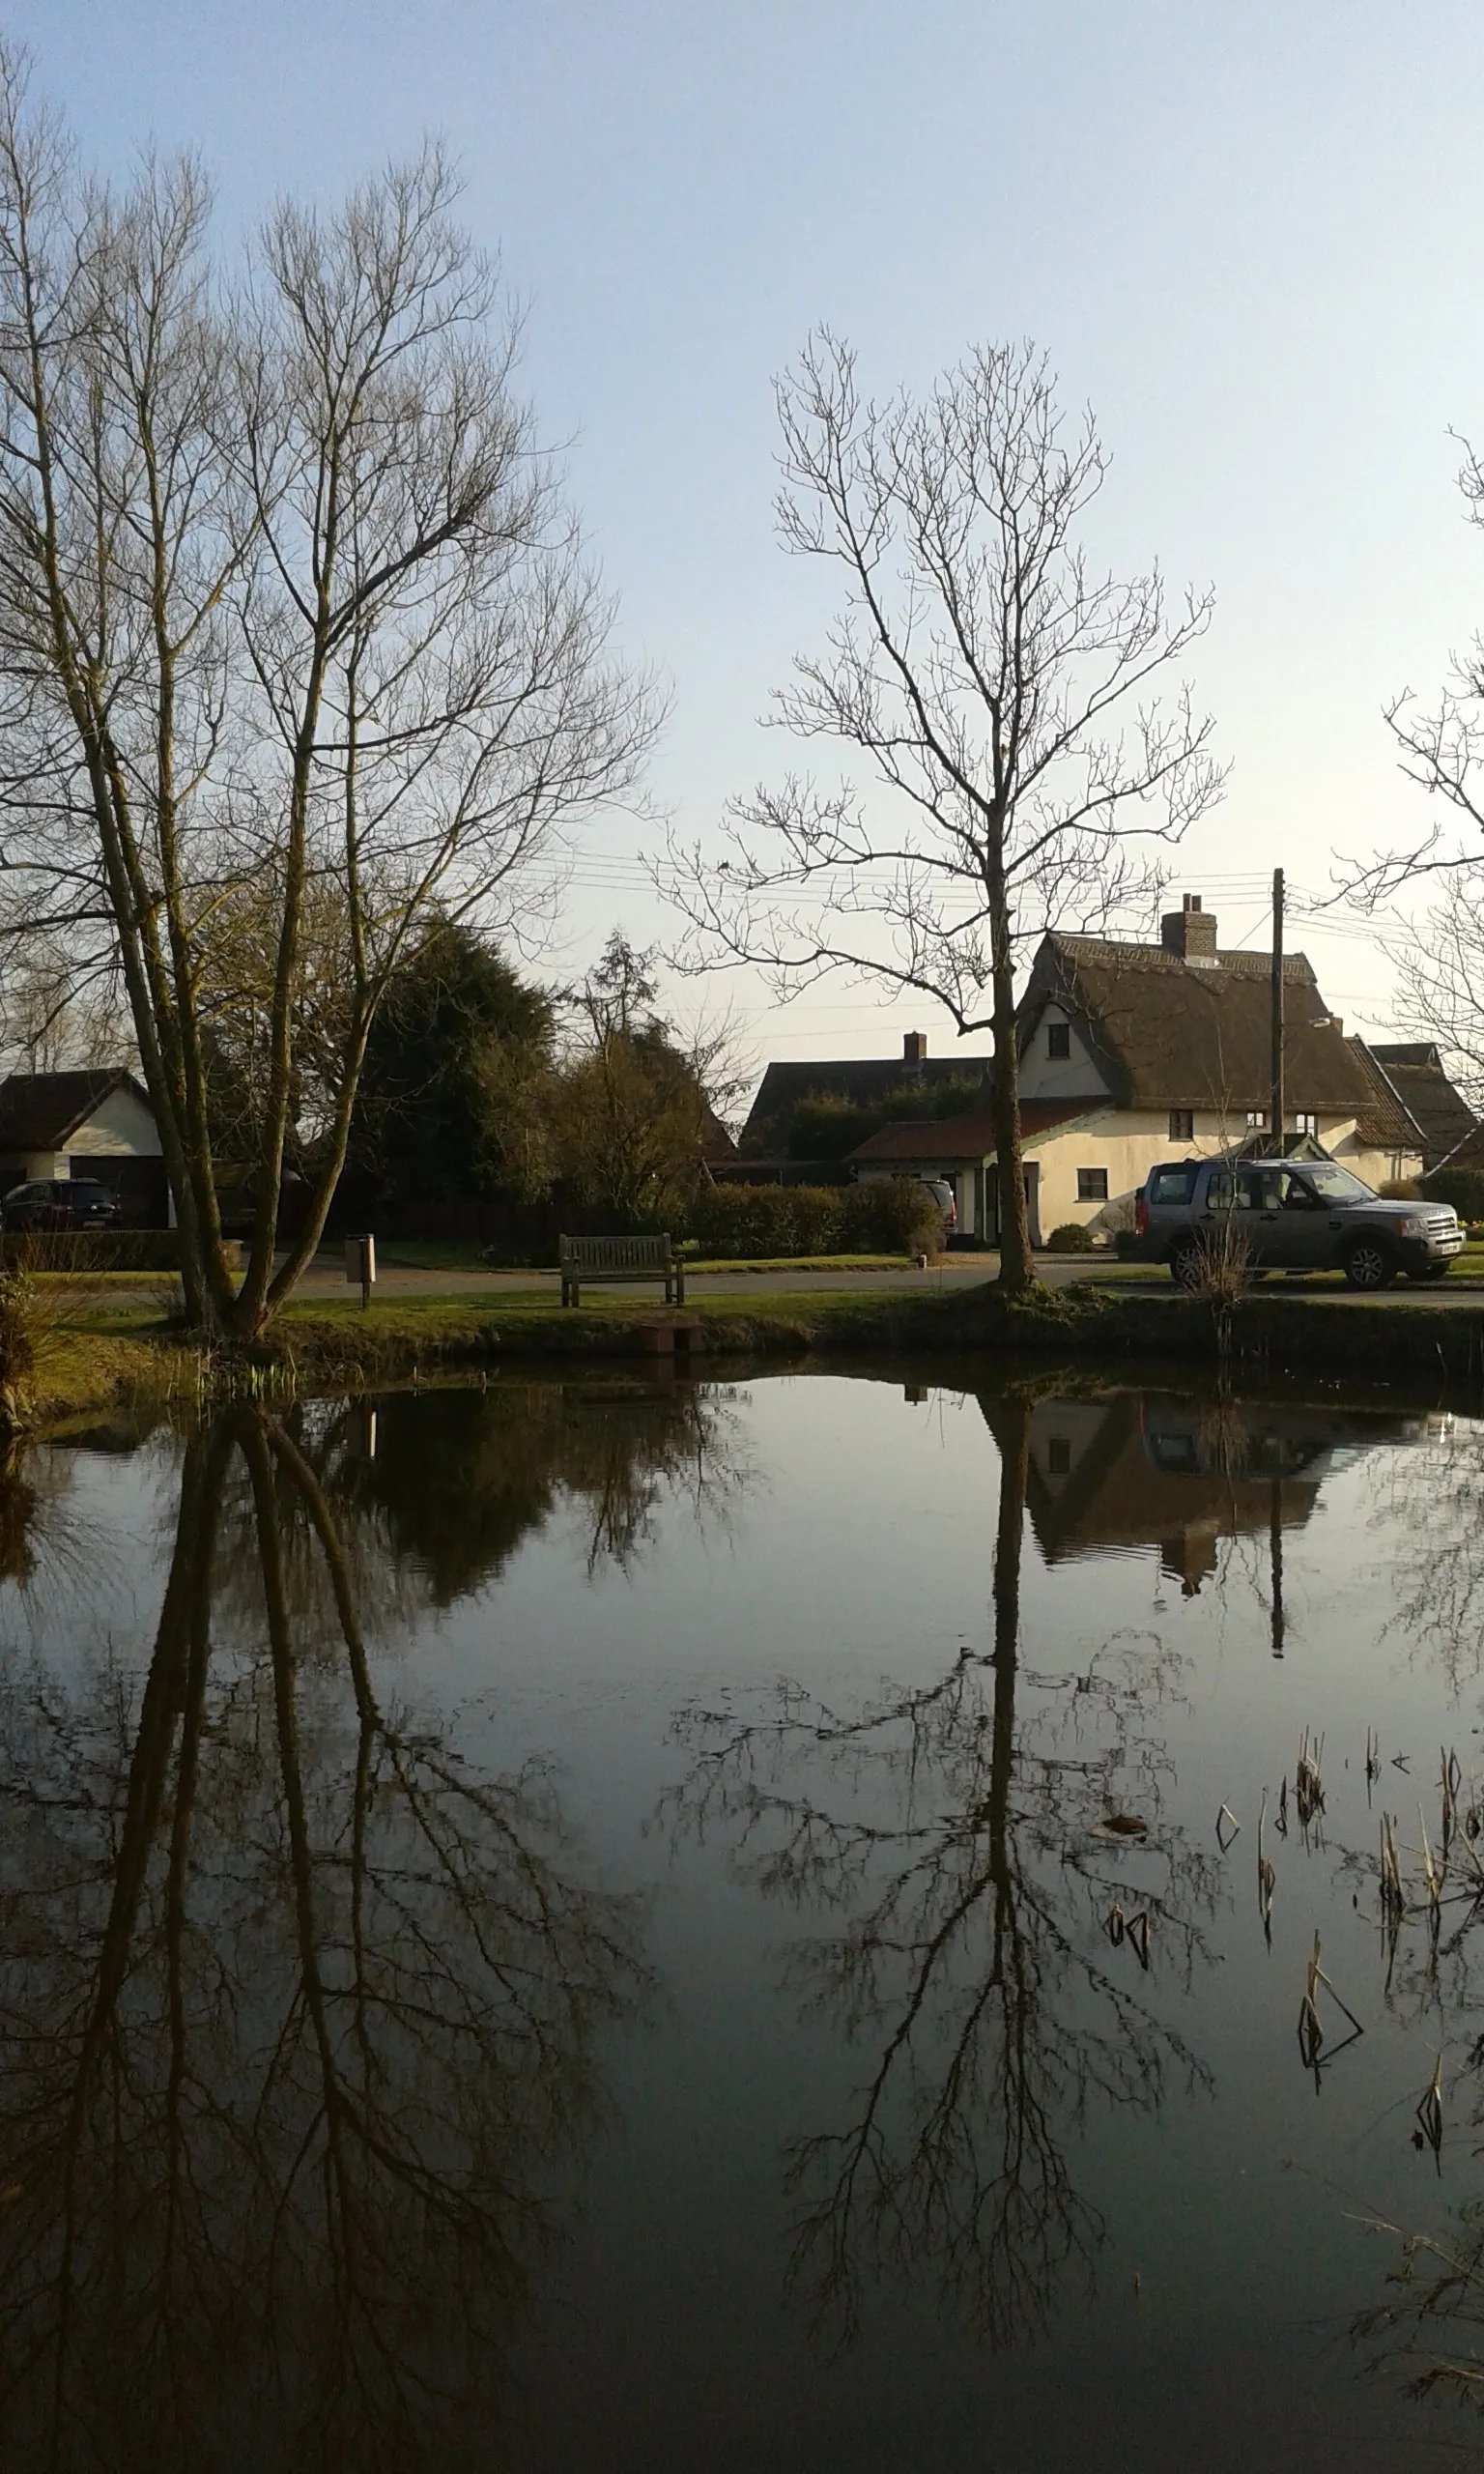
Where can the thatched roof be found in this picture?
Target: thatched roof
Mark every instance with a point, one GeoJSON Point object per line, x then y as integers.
{"type": "Point", "coordinates": [1168, 1033]}
{"type": "Point", "coordinates": [1416, 1070]}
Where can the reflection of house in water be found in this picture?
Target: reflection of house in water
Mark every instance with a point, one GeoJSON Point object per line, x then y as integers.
{"type": "Point", "coordinates": [1148, 1469]}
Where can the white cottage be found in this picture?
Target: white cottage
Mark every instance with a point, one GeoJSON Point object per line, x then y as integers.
{"type": "Point", "coordinates": [96, 1123]}
{"type": "Point", "coordinates": [1133, 1053]}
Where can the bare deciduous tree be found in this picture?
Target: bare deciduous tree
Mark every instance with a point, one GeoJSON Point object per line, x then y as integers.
{"type": "Point", "coordinates": [294, 625]}
{"type": "Point", "coordinates": [1441, 750]}
{"type": "Point", "coordinates": [998, 690]}
{"type": "Point", "coordinates": [1440, 979]}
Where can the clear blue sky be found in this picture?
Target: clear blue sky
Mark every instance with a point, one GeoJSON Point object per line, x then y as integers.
{"type": "Point", "coordinates": [1250, 235]}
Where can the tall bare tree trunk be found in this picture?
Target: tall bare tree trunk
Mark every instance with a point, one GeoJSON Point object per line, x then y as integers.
{"type": "Point", "coordinates": [1017, 1272]}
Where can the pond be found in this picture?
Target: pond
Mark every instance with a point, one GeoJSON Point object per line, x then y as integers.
{"type": "Point", "coordinates": [751, 1924]}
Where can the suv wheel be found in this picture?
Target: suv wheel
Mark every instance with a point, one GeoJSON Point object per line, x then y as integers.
{"type": "Point", "coordinates": [1369, 1264]}
{"type": "Point", "coordinates": [1187, 1266]}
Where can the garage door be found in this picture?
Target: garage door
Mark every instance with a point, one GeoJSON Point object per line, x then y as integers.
{"type": "Point", "coordinates": [141, 1186]}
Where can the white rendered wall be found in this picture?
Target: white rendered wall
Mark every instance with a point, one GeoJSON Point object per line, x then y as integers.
{"type": "Point", "coordinates": [121, 1125]}
{"type": "Point", "coordinates": [1044, 1077]}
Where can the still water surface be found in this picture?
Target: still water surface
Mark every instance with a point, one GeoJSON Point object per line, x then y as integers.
{"type": "Point", "coordinates": [576, 1926]}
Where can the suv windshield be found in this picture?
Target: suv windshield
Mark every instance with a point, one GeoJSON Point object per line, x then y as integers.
{"type": "Point", "coordinates": [1334, 1183]}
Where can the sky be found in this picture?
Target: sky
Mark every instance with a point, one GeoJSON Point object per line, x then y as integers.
{"type": "Point", "coordinates": [1248, 235]}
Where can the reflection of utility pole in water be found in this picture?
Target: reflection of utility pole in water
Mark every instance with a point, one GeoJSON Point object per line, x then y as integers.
{"type": "Point", "coordinates": [1275, 1541]}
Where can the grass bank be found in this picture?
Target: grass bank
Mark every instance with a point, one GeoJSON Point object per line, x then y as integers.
{"type": "Point", "coordinates": [110, 1348]}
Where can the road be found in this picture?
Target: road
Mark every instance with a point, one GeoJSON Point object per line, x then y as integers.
{"type": "Point", "coordinates": [326, 1278]}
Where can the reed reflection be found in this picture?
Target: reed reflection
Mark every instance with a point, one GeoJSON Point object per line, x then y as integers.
{"type": "Point", "coordinates": [963, 1846]}
{"type": "Point", "coordinates": [298, 2020]}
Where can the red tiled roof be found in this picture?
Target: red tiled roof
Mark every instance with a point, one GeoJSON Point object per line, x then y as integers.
{"type": "Point", "coordinates": [970, 1137]}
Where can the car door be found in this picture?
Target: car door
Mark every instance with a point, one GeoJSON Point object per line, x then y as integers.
{"type": "Point", "coordinates": [1292, 1222]}
{"type": "Point", "coordinates": [1254, 1214]}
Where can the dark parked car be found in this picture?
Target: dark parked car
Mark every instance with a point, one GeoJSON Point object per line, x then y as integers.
{"type": "Point", "coordinates": [942, 1193]}
{"type": "Point", "coordinates": [60, 1202]}
{"type": "Point", "coordinates": [1293, 1215]}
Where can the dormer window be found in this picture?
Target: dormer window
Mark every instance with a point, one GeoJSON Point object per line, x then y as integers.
{"type": "Point", "coordinates": [1059, 1039]}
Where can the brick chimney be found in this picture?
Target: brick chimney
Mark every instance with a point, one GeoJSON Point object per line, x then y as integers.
{"type": "Point", "coordinates": [1190, 932]}
{"type": "Point", "coordinates": [914, 1047]}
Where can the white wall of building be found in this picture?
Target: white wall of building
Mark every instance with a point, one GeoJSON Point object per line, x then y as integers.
{"type": "Point", "coordinates": [1077, 1077]}
{"type": "Point", "coordinates": [121, 1126]}
{"type": "Point", "coordinates": [1127, 1142]}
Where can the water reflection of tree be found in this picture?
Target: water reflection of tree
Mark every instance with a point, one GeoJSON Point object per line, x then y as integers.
{"type": "Point", "coordinates": [1434, 1504]}
{"type": "Point", "coordinates": [456, 1478]}
{"type": "Point", "coordinates": [968, 1879]}
{"type": "Point", "coordinates": [297, 2016]}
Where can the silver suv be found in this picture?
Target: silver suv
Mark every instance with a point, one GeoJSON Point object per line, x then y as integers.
{"type": "Point", "coordinates": [1299, 1214]}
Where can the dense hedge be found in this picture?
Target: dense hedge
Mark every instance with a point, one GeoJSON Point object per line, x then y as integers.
{"type": "Point", "coordinates": [1071, 1238]}
{"type": "Point", "coordinates": [1463, 1188]}
{"type": "Point", "coordinates": [889, 1216]}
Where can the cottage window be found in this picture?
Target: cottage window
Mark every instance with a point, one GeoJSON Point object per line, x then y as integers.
{"type": "Point", "coordinates": [1182, 1125]}
{"type": "Point", "coordinates": [1059, 1455]}
{"type": "Point", "coordinates": [1091, 1185]}
{"type": "Point", "coordinates": [1257, 1119]}
{"type": "Point", "coordinates": [1059, 1039]}
{"type": "Point", "coordinates": [1307, 1122]}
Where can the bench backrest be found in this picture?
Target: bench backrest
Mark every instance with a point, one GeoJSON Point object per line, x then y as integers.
{"type": "Point", "coordinates": [615, 1253]}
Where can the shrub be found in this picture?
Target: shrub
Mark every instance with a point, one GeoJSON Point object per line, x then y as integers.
{"type": "Point", "coordinates": [890, 1216]}
{"type": "Point", "coordinates": [1071, 1238]}
{"type": "Point", "coordinates": [1402, 1190]}
{"type": "Point", "coordinates": [750, 1221]}
{"type": "Point", "coordinates": [1225, 1265]}
{"type": "Point", "coordinates": [18, 1349]}
{"type": "Point", "coordinates": [1463, 1188]}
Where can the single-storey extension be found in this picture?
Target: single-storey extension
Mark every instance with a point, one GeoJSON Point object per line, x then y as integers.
{"type": "Point", "coordinates": [94, 1123]}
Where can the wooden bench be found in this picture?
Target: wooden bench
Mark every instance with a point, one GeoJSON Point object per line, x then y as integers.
{"type": "Point", "coordinates": [610, 1259]}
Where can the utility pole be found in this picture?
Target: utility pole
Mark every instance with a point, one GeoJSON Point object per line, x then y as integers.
{"type": "Point", "coordinates": [1278, 1110]}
